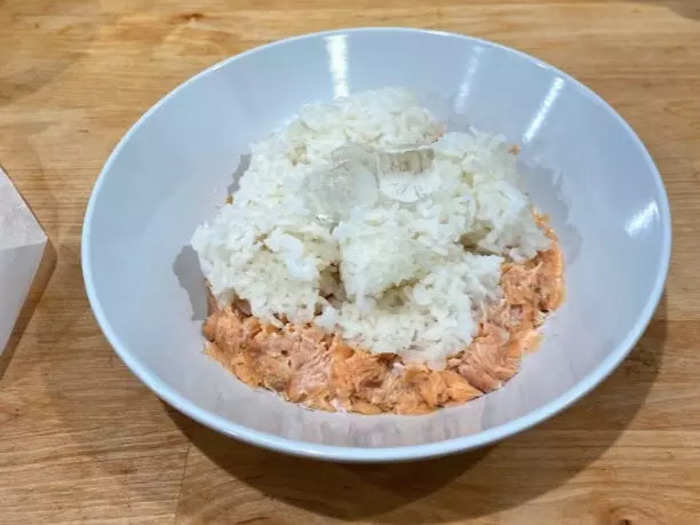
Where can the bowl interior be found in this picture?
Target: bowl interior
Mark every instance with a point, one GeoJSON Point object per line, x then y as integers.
{"type": "Point", "coordinates": [581, 163]}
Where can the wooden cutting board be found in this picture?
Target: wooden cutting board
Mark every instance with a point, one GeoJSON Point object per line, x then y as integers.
{"type": "Point", "coordinates": [82, 440]}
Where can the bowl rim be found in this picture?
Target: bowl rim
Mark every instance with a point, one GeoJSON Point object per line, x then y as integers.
{"type": "Point", "coordinates": [395, 453]}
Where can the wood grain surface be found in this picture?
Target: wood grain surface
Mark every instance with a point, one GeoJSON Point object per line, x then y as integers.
{"type": "Point", "coordinates": [82, 440]}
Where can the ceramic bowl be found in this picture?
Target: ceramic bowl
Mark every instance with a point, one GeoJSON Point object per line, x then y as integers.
{"type": "Point", "coordinates": [582, 164]}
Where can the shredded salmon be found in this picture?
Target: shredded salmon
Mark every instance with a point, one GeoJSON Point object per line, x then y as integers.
{"type": "Point", "coordinates": [319, 370]}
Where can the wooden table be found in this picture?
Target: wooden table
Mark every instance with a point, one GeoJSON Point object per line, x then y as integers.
{"type": "Point", "coordinates": [82, 440]}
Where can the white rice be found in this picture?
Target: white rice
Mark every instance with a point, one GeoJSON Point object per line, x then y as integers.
{"type": "Point", "coordinates": [355, 216]}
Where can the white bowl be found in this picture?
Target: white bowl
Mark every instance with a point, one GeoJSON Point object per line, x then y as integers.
{"type": "Point", "coordinates": [583, 165]}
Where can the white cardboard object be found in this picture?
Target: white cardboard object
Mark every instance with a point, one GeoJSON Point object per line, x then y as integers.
{"type": "Point", "coordinates": [22, 243]}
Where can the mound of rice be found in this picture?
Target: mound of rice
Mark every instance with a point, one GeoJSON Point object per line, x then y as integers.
{"type": "Point", "coordinates": [365, 218]}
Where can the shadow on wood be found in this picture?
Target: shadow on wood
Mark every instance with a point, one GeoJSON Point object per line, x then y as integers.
{"type": "Point", "coordinates": [19, 75]}
{"type": "Point", "coordinates": [685, 8]}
